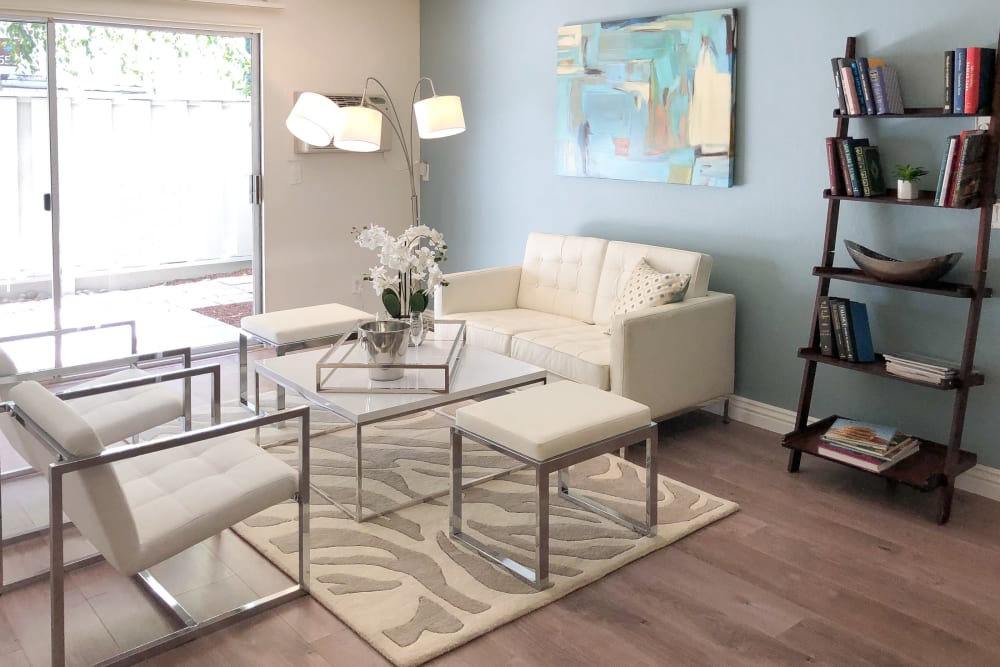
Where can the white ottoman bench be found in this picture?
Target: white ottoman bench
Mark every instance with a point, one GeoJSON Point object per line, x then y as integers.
{"type": "Point", "coordinates": [551, 428]}
{"type": "Point", "coordinates": [295, 329]}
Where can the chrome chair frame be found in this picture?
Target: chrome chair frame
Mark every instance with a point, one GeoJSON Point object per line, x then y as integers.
{"type": "Point", "coordinates": [185, 374]}
{"type": "Point", "coordinates": [539, 576]}
{"type": "Point", "coordinates": [67, 463]}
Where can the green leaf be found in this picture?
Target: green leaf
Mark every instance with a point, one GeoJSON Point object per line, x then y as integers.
{"type": "Point", "coordinates": [418, 301]}
{"type": "Point", "coordinates": [392, 303]}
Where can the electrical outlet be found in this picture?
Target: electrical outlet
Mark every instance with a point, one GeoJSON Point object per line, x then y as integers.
{"type": "Point", "coordinates": [996, 215]}
{"type": "Point", "coordinates": [982, 122]}
{"type": "Point", "coordinates": [294, 172]}
{"type": "Point", "coordinates": [356, 288]}
{"type": "Point", "coordinates": [425, 171]}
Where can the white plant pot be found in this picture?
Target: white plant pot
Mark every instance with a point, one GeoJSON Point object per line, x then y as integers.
{"type": "Point", "coordinates": [907, 190]}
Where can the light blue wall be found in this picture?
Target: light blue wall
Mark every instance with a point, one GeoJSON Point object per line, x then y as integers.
{"type": "Point", "coordinates": [495, 183]}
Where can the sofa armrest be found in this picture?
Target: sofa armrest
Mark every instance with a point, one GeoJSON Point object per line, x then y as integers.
{"type": "Point", "coordinates": [677, 356]}
{"type": "Point", "coordinates": [483, 289]}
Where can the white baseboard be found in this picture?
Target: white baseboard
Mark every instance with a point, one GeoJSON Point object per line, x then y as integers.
{"type": "Point", "coordinates": [981, 480]}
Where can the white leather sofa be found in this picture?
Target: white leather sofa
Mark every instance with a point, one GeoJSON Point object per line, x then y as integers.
{"type": "Point", "coordinates": [553, 311]}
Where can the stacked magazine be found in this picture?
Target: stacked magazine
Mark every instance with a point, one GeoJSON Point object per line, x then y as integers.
{"type": "Point", "coordinates": [872, 447]}
{"type": "Point", "coordinates": [921, 367]}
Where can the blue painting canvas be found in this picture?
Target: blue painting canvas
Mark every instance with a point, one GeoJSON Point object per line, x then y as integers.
{"type": "Point", "coordinates": [648, 99]}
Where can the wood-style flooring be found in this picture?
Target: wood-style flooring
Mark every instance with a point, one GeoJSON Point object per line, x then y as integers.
{"type": "Point", "coordinates": [820, 568]}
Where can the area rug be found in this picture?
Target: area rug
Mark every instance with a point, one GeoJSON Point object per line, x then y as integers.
{"type": "Point", "coordinates": [402, 585]}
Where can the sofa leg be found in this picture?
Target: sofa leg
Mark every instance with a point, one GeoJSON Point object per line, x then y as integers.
{"type": "Point", "coordinates": [725, 411]}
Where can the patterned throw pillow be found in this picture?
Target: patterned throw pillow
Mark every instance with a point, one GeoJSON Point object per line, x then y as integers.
{"type": "Point", "coordinates": [647, 287]}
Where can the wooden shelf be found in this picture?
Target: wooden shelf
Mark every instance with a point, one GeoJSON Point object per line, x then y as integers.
{"type": "Point", "coordinates": [956, 290]}
{"type": "Point", "coordinates": [923, 470]}
{"type": "Point", "coordinates": [926, 198]}
{"type": "Point", "coordinates": [877, 367]}
{"type": "Point", "coordinates": [911, 112]}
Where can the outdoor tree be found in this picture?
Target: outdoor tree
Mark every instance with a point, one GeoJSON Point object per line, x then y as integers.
{"type": "Point", "coordinates": [156, 61]}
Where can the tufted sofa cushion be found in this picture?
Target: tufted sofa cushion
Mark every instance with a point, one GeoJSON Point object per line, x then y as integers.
{"type": "Point", "coordinates": [560, 275]}
{"type": "Point", "coordinates": [621, 258]}
{"type": "Point", "coordinates": [581, 353]}
{"type": "Point", "coordinates": [494, 329]}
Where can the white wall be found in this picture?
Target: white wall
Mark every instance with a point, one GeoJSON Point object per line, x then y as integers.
{"type": "Point", "coordinates": [322, 45]}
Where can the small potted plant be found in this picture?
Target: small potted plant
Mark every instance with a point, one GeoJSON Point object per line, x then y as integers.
{"type": "Point", "coordinates": [906, 181]}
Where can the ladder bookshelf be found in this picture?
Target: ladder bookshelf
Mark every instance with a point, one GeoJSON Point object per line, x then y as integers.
{"type": "Point", "coordinates": [936, 465]}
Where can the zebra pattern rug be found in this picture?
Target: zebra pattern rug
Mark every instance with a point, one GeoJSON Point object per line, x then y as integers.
{"type": "Point", "coordinates": [403, 585]}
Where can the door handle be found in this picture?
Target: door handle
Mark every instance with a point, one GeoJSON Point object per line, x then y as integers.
{"type": "Point", "coordinates": [47, 201]}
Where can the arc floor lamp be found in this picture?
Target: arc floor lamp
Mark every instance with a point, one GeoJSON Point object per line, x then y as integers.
{"type": "Point", "coordinates": [318, 120]}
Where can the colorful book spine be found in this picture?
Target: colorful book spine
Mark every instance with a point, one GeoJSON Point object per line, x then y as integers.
{"type": "Point", "coordinates": [893, 93]}
{"type": "Point", "coordinates": [856, 74]}
{"type": "Point", "coordinates": [850, 92]}
{"type": "Point", "coordinates": [827, 343]}
{"type": "Point", "coordinates": [873, 165]}
{"type": "Point", "coordinates": [859, 160]}
{"type": "Point", "coordinates": [845, 173]}
{"type": "Point", "coordinates": [958, 99]}
{"type": "Point", "coordinates": [878, 90]}
{"type": "Point", "coordinates": [961, 160]}
{"type": "Point", "coordinates": [833, 167]}
{"type": "Point", "coordinates": [987, 70]}
{"type": "Point", "coordinates": [843, 315]}
{"type": "Point", "coordinates": [866, 85]}
{"type": "Point", "coordinates": [944, 178]}
{"type": "Point", "coordinates": [968, 175]}
{"type": "Point", "coordinates": [971, 102]}
{"type": "Point", "coordinates": [861, 334]}
{"type": "Point", "coordinates": [838, 332]}
{"type": "Point", "coordinates": [949, 79]}
{"type": "Point", "coordinates": [837, 63]}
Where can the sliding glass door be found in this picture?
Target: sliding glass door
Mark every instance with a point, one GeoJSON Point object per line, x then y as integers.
{"type": "Point", "coordinates": [150, 161]}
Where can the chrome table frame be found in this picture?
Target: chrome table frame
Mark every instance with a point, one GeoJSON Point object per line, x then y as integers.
{"type": "Point", "coordinates": [358, 514]}
{"type": "Point", "coordinates": [185, 374]}
{"type": "Point", "coordinates": [539, 576]}
{"type": "Point", "coordinates": [67, 463]}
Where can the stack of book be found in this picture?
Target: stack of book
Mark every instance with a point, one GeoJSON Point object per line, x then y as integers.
{"type": "Point", "coordinates": [871, 447]}
{"type": "Point", "coordinates": [866, 87]}
{"type": "Point", "coordinates": [855, 168]}
{"type": "Point", "coordinates": [961, 169]}
{"type": "Point", "coordinates": [921, 367]}
{"type": "Point", "coordinates": [968, 80]}
{"type": "Point", "coordinates": [844, 331]}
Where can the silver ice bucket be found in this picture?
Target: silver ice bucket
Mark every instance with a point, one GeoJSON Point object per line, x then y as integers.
{"type": "Point", "coordinates": [385, 342]}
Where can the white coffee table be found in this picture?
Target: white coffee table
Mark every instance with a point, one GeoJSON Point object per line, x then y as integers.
{"type": "Point", "coordinates": [478, 372]}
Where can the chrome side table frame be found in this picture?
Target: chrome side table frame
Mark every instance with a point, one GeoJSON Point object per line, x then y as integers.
{"type": "Point", "coordinates": [538, 577]}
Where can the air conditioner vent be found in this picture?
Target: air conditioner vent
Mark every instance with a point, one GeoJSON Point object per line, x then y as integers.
{"type": "Point", "coordinates": [348, 100]}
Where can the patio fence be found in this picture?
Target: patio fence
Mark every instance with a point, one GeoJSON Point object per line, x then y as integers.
{"type": "Point", "coordinates": [144, 182]}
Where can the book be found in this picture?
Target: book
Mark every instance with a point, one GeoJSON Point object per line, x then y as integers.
{"type": "Point", "coordinates": [837, 63]}
{"type": "Point", "coordinates": [971, 103]}
{"type": "Point", "coordinates": [859, 160]}
{"type": "Point", "coordinates": [968, 174]}
{"type": "Point", "coordinates": [848, 145]}
{"type": "Point", "coordinates": [893, 93]}
{"type": "Point", "coordinates": [878, 90]}
{"type": "Point", "coordinates": [944, 177]}
{"type": "Point", "coordinates": [947, 195]}
{"type": "Point", "coordinates": [987, 70]}
{"type": "Point", "coordinates": [867, 434]}
{"type": "Point", "coordinates": [838, 332]}
{"type": "Point", "coordinates": [865, 462]}
{"type": "Point", "coordinates": [866, 86]}
{"type": "Point", "coordinates": [949, 78]}
{"type": "Point", "coordinates": [833, 167]}
{"type": "Point", "coordinates": [842, 313]}
{"type": "Point", "coordinates": [873, 165]}
{"type": "Point", "coordinates": [861, 333]}
{"type": "Point", "coordinates": [845, 174]}
{"type": "Point", "coordinates": [827, 343]}
{"type": "Point", "coordinates": [958, 96]}
{"type": "Point", "coordinates": [924, 360]}
{"type": "Point", "coordinates": [850, 92]}
{"type": "Point", "coordinates": [856, 75]}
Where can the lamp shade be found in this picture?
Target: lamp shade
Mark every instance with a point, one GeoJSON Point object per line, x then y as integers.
{"type": "Point", "coordinates": [360, 130]}
{"type": "Point", "coordinates": [313, 119]}
{"type": "Point", "coordinates": [439, 116]}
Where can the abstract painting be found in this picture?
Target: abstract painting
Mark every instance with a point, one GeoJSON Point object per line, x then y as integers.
{"type": "Point", "coordinates": [648, 99]}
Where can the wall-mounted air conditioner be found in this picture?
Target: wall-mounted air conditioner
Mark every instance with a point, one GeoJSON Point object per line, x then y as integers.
{"type": "Point", "coordinates": [342, 100]}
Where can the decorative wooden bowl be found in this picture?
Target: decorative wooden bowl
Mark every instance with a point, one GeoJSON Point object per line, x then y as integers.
{"type": "Point", "coordinates": [891, 270]}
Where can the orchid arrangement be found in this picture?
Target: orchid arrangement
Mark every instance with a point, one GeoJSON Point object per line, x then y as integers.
{"type": "Point", "coordinates": [408, 268]}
